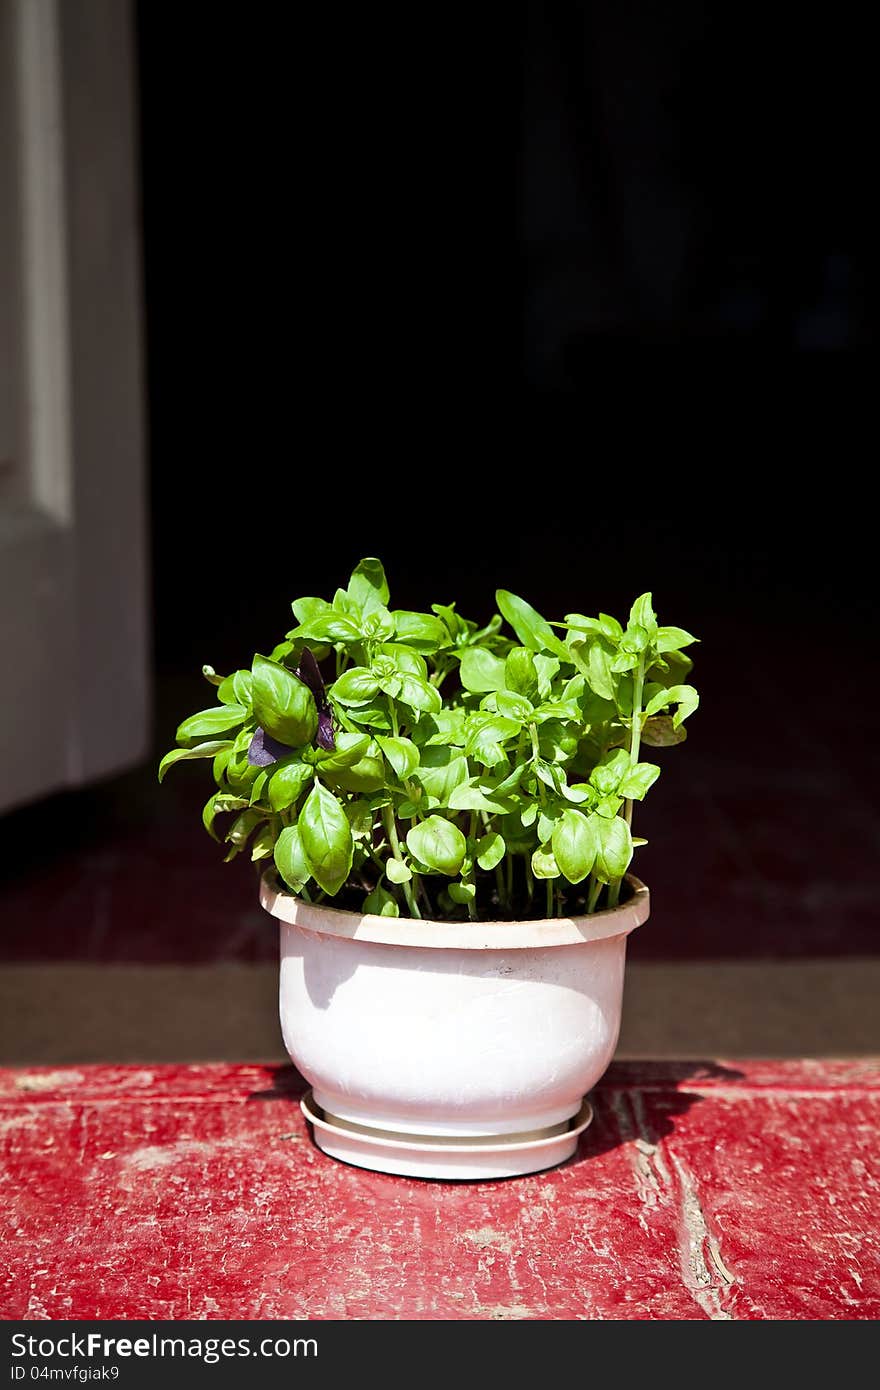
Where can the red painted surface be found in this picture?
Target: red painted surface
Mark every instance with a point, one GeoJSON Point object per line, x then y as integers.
{"type": "Point", "coordinates": [744, 1190]}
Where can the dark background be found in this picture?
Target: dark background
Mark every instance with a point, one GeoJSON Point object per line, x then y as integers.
{"type": "Point", "coordinates": [575, 300]}
{"type": "Point", "coordinates": [484, 297]}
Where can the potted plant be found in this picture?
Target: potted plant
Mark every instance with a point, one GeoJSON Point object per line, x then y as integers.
{"type": "Point", "coordinates": [443, 813]}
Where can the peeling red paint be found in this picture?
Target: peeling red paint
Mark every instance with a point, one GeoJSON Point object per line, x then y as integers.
{"type": "Point", "coordinates": [741, 1190]}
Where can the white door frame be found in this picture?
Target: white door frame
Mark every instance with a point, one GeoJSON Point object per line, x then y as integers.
{"type": "Point", "coordinates": [74, 686]}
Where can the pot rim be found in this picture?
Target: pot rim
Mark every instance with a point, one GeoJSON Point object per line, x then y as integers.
{"type": "Point", "coordinates": [472, 936]}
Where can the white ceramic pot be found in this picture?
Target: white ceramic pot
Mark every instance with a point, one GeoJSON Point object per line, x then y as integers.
{"type": "Point", "coordinates": [450, 1050]}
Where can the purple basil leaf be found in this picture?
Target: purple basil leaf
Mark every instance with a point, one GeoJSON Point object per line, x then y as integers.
{"type": "Point", "coordinates": [264, 749]}
{"type": "Point", "coordinates": [325, 737]}
{"type": "Point", "coordinates": [310, 675]}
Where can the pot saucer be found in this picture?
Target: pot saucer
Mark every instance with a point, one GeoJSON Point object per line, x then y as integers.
{"type": "Point", "coordinates": [447, 1156]}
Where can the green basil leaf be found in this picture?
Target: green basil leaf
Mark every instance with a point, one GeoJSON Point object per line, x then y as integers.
{"type": "Point", "coordinates": [546, 667]}
{"type": "Point", "coordinates": [405, 659]}
{"type": "Point", "coordinates": [202, 750]}
{"type": "Point", "coordinates": [326, 839]}
{"type": "Point", "coordinates": [486, 735]}
{"type": "Point", "coordinates": [283, 704]}
{"type": "Point", "coordinates": [614, 848]}
{"type": "Point", "coordinates": [402, 754]}
{"type": "Point", "coordinates": [237, 689]}
{"type": "Point", "coordinates": [610, 627]}
{"type": "Point", "coordinates": [532, 630]}
{"type": "Point", "coordinates": [462, 893]}
{"type": "Point", "coordinates": [366, 775]}
{"type": "Point", "coordinates": [259, 785]}
{"type": "Point", "coordinates": [397, 872]}
{"type": "Point", "coordinates": [360, 817]}
{"type": "Point", "coordinates": [635, 639]}
{"type": "Point", "coordinates": [357, 686]}
{"type": "Point", "coordinates": [343, 603]}
{"type": "Point", "coordinates": [624, 661]}
{"type": "Point", "coordinates": [578, 792]}
{"type": "Point", "coordinates": [389, 684]}
{"type": "Point", "coordinates": [659, 732]}
{"type": "Point", "coordinates": [368, 587]}
{"type": "Point", "coordinates": [329, 626]}
{"type": "Point", "coordinates": [211, 676]}
{"type": "Point", "coordinates": [263, 843]}
{"type": "Point", "coordinates": [287, 782]}
{"type": "Point", "coordinates": [290, 859]}
{"type": "Point", "coordinates": [574, 843]}
{"type": "Point", "coordinates": [212, 721]}
{"type": "Point", "coordinates": [642, 615]}
{"type": "Point", "coordinates": [606, 776]}
{"type": "Point", "coordinates": [470, 797]}
{"type": "Point", "coordinates": [490, 850]}
{"type": "Point", "coordinates": [215, 805]}
{"type": "Point", "coordinates": [481, 671]}
{"type": "Point", "coordinates": [381, 903]}
{"type": "Point", "coordinates": [350, 748]}
{"type": "Point", "coordinates": [544, 864]}
{"type": "Point", "coordinates": [440, 771]}
{"type": "Point", "coordinates": [516, 707]}
{"type": "Point", "coordinates": [438, 844]}
{"type": "Point", "coordinates": [547, 818]}
{"type": "Point", "coordinates": [378, 625]}
{"type": "Point", "coordinates": [420, 630]}
{"type": "Point", "coordinates": [282, 651]}
{"type": "Point", "coordinates": [375, 716]}
{"type": "Point", "coordinates": [598, 670]}
{"type": "Point", "coordinates": [558, 709]}
{"type": "Point", "coordinates": [684, 696]}
{"type": "Point", "coordinates": [305, 609]}
{"type": "Point", "coordinates": [549, 775]}
{"type": "Point", "coordinates": [446, 728]}
{"type": "Point", "coordinates": [418, 694]}
{"type": "Point", "coordinates": [520, 672]}
{"type": "Point", "coordinates": [672, 639]}
{"type": "Point", "coordinates": [576, 622]}
{"type": "Point", "coordinates": [637, 782]}
{"type": "Point", "coordinates": [243, 825]}
{"type": "Point", "coordinates": [508, 782]}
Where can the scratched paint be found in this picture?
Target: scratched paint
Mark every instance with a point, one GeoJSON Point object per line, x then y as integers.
{"type": "Point", "coordinates": [725, 1191]}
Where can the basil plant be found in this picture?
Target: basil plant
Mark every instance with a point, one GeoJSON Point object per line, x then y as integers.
{"type": "Point", "coordinates": [418, 764]}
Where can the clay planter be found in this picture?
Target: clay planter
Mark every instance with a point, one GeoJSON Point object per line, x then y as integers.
{"type": "Point", "coordinates": [450, 1050]}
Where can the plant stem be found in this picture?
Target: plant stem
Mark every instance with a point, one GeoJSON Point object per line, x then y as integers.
{"type": "Point", "coordinates": [499, 874]}
{"type": "Point", "coordinates": [593, 895]}
{"type": "Point", "coordinates": [550, 912]}
{"type": "Point", "coordinates": [530, 878]}
{"type": "Point", "coordinates": [392, 710]}
{"type": "Point", "coordinates": [536, 753]}
{"type": "Point", "coordinates": [437, 677]}
{"type": "Point", "coordinates": [472, 876]}
{"type": "Point", "coordinates": [635, 739]}
{"type": "Point", "coordinates": [391, 831]}
{"type": "Point", "coordinates": [395, 729]}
